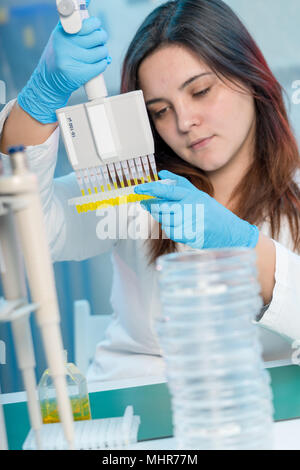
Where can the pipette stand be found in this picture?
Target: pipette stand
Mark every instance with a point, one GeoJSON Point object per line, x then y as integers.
{"type": "Point", "coordinates": [22, 232]}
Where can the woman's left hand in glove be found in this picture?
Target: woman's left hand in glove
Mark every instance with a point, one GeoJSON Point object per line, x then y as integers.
{"type": "Point", "coordinates": [188, 215]}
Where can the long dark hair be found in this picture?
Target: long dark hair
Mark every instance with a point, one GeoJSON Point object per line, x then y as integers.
{"type": "Point", "coordinates": [212, 30]}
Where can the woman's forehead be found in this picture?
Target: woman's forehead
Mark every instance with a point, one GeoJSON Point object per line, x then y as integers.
{"type": "Point", "coordinates": [171, 65]}
{"type": "Point", "coordinates": [169, 54]}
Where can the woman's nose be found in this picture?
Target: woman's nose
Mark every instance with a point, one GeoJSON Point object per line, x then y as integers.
{"type": "Point", "coordinates": [188, 118]}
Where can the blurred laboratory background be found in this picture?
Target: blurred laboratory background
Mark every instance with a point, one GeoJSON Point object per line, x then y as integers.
{"type": "Point", "coordinates": [25, 26]}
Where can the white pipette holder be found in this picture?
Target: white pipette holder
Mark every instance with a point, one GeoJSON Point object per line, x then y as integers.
{"type": "Point", "coordinates": [96, 434]}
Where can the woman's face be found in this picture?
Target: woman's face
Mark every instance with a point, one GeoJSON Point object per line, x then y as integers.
{"type": "Point", "coordinates": [206, 122]}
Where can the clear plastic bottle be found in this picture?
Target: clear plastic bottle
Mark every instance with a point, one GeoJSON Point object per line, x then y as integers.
{"type": "Point", "coordinates": [78, 394]}
{"type": "Point", "coordinates": [221, 394]}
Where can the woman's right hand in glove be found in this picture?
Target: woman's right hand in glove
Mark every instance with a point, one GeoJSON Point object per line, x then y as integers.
{"type": "Point", "coordinates": [68, 62]}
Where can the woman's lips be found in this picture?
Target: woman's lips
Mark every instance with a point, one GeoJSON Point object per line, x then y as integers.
{"type": "Point", "coordinates": [201, 143]}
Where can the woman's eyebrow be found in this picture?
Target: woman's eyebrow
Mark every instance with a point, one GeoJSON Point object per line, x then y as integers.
{"type": "Point", "coordinates": [184, 85]}
{"type": "Point", "coordinates": [192, 79]}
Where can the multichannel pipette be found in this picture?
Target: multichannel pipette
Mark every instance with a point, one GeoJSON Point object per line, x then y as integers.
{"type": "Point", "coordinates": [108, 140]}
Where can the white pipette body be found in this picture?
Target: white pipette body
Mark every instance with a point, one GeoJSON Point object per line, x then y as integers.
{"type": "Point", "coordinates": [14, 288]}
{"type": "Point", "coordinates": [29, 221]}
{"type": "Point", "coordinates": [72, 13]}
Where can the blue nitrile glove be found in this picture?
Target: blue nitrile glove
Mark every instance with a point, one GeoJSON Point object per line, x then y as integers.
{"type": "Point", "coordinates": [68, 62]}
{"type": "Point", "coordinates": [197, 219]}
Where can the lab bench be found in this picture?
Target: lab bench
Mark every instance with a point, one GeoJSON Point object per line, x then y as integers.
{"type": "Point", "coordinates": [152, 403]}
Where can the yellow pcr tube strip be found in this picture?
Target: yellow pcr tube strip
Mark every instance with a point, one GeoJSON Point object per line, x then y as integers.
{"type": "Point", "coordinates": [112, 198]}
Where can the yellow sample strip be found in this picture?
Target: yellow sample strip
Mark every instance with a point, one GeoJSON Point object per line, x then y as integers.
{"type": "Point", "coordinates": [117, 201]}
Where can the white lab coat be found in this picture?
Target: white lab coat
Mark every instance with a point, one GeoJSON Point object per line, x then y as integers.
{"type": "Point", "coordinates": [131, 348]}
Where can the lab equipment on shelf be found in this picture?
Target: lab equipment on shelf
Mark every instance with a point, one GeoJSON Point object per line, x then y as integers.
{"type": "Point", "coordinates": [108, 140]}
{"type": "Point", "coordinates": [220, 390]}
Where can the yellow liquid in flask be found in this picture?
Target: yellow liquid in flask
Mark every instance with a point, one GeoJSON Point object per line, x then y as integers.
{"type": "Point", "coordinates": [78, 394]}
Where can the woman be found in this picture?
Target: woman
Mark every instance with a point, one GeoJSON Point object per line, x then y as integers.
{"type": "Point", "coordinates": [220, 128]}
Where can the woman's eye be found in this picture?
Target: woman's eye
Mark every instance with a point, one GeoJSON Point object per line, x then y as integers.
{"type": "Point", "coordinates": [202, 92]}
{"type": "Point", "coordinates": [160, 113]}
